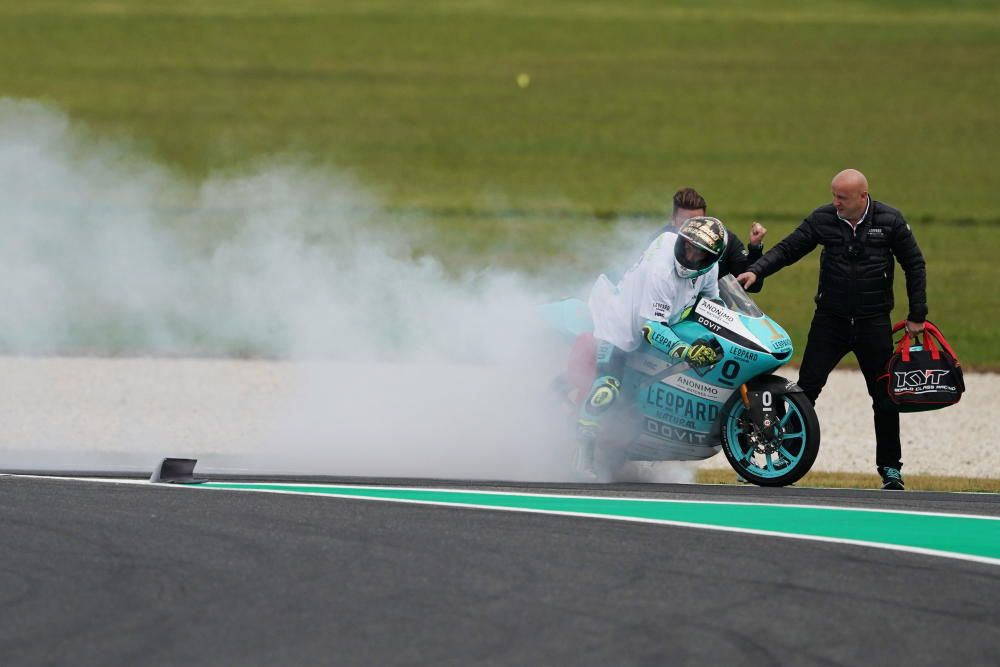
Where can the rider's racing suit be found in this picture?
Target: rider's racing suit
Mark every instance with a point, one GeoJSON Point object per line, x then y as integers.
{"type": "Point", "coordinates": [640, 310]}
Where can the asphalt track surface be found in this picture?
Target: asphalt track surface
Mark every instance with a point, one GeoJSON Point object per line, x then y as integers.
{"type": "Point", "coordinates": [114, 574]}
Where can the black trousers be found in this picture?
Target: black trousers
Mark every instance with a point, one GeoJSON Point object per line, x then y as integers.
{"type": "Point", "coordinates": [870, 339]}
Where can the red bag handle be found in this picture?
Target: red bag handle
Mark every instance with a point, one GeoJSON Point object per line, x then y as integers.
{"type": "Point", "coordinates": [936, 334]}
{"type": "Point", "coordinates": [904, 347]}
{"type": "Point", "coordinates": [933, 341]}
{"type": "Point", "coordinates": [931, 346]}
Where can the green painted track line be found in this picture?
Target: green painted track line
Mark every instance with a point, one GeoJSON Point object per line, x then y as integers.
{"type": "Point", "coordinates": [967, 537]}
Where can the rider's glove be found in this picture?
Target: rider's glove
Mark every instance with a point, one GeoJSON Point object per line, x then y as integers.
{"type": "Point", "coordinates": [698, 355]}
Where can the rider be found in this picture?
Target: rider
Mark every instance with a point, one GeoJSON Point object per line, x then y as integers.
{"type": "Point", "coordinates": [652, 296]}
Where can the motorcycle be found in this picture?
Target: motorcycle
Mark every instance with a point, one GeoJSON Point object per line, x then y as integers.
{"type": "Point", "coordinates": [671, 411]}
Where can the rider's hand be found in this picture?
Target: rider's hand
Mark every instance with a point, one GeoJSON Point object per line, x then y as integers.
{"type": "Point", "coordinates": [699, 355]}
{"type": "Point", "coordinates": [747, 279]}
{"type": "Point", "coordinates": [913, 328]}
{"type": "Point", "coordinates": [757, 232]}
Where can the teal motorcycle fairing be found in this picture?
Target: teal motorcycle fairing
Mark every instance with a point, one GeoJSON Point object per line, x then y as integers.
{"type": "Point", "coordinates": [677, 412]}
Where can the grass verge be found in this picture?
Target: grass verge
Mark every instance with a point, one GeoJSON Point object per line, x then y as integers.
{"type": "Point", "coordinates": [419, 102]}
{"type": "Point", "coordinates": [626, 102]}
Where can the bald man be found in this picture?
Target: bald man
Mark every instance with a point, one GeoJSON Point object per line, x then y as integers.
{"type": "Point", "coordinates": [862, 239]}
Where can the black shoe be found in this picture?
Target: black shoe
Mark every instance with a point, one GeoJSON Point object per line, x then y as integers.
{"type": "Point", "coordinates": [892, 479]}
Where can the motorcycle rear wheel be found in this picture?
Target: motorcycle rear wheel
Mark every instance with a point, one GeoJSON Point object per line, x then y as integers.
{"type": "Point", "coordinates": [778, 463]}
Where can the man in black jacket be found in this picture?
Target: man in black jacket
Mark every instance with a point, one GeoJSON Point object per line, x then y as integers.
{"type": "Point", "coordinates": [861, 240]}
{"type": "Point", "coordinates": [736, 258]}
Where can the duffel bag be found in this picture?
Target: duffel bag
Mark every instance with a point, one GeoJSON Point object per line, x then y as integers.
{"type": "Point", "coordinates": [922, 377]}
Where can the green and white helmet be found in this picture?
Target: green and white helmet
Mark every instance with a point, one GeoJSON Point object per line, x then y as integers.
{"type": "Point", "coordinates": [700, 243]}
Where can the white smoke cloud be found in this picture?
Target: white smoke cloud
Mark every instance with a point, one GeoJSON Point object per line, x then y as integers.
{"type": "Point", "coordinates": [105, 253]}
{"type": "Point", "coordinates": [403, 368]}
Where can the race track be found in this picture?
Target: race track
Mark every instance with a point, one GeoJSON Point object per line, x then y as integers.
{"type": "Point", "coordinates": [110, 573]}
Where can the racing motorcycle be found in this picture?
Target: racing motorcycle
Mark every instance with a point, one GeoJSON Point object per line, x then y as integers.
{"type": "Point", "coordinates": [670, 411]}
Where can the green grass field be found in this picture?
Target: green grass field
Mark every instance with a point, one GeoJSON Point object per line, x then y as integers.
{"type": "Point", "coordinates": [757, 103]}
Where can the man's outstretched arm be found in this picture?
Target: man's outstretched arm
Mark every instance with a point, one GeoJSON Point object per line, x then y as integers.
{"type": "Point", "coordinates": [789, 250]}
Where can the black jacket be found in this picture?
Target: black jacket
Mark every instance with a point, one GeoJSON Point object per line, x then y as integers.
{"type": "Point", "coordinates": [735, 259]}
{"type": "Point", "coordinates": [856, 266]}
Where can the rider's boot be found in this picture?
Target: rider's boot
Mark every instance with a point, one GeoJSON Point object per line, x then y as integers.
{"type": "Point", "coordinates": [583, 457]}
{"type": "Point", "coordinates": [603, 394]}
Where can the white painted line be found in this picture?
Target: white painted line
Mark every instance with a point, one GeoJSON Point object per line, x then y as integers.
{"type": "Point", "coordinates": [432, 489]}
{"type": "Point", "coordinates": [667, 522]}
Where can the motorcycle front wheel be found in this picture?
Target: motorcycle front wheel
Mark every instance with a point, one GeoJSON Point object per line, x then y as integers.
{"type": "Point", "coordinates": [778, 459]}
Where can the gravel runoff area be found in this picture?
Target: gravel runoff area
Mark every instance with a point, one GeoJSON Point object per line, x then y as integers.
{"type": "Point", "coordinates": [89, 413]}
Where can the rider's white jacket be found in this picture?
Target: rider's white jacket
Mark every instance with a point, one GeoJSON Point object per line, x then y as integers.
{"type": "Point", "coordinates": [650, 290]}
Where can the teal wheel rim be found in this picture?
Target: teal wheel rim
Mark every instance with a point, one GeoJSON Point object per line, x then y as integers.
{"type": "Point", "coordinates": [778, 463]}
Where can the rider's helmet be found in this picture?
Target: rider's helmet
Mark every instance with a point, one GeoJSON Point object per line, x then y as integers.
{"type": "Point", "coordinates": [700, 243]}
